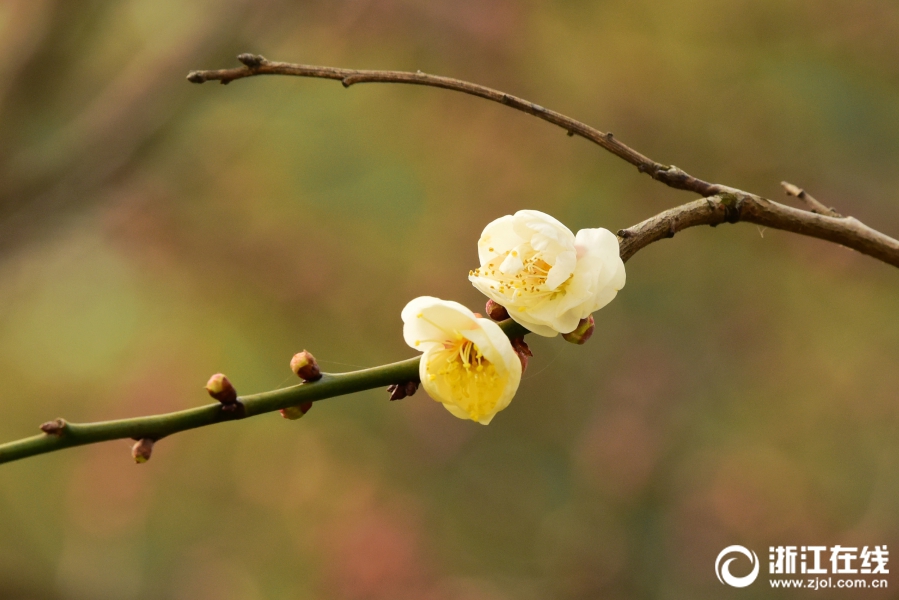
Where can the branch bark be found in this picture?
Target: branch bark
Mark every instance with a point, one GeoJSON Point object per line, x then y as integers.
{"type": "Point", "coordinates": [258, 65]}
{"type": "Point", "coordinates": [720, 204]}
{"type": "Point", "coordinates": [813, 205]}
{"type": "Point", "coordinates": [749, 208]}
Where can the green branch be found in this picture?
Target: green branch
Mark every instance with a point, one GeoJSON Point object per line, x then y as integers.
{"type": "Point", "coordinates": [155, 427]}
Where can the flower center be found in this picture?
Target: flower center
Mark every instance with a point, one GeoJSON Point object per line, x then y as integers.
{"type": "Point", "coordinates": [529, 281]}
{"type": "Point", "coordinates": [471, 379]}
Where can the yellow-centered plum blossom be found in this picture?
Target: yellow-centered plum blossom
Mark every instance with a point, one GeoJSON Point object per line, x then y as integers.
{"type": "Point", "coordinates": [547, 278]}
{"type": "Point", "coordinates": [468, 365]}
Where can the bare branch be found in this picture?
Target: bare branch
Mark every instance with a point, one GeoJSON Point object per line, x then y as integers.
{"type": "Point", "coordinates": [61, 434]}
{"type": "Point", "coordinates": [722, 203]}
{"type": "Point", "coordinates": [813, 205]}
{"type": "Point", "coordinates": [733, 208]}
{"type": "Point", "coordinates": [669, 175]}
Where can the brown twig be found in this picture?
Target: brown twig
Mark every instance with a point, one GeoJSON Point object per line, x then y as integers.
{"type": "Point", "coordinates": [813, 205]}
{"type": "Point", "coordinates": [669, 175]}
{"type": "Point", "coordinates": [722, 204]}
{"type": "Point", "coordinates": [749, 208]}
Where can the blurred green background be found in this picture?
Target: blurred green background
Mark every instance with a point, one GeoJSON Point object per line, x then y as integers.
{"type": "Point", "coordinates": [742, 389]}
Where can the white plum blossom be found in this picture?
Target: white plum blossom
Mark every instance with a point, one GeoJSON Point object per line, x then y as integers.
{"type": "Point", "coordinates": [547, 278]}
{"type": "Point", "coordinates": [468, 365]}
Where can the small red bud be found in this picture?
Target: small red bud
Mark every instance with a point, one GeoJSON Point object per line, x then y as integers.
{"type": "Point", "coordinates": [582, 332]}
{"type": "Point", "coordinates": [221, 389]}
{"type": "Point", "coordinates": [524, 353]}
{"type": "Point", "coordinates": [142, 450]}
{"type": "Point", "coordinates": [304, 365]}
{"type": "Point", "coordinates": [497, 312]}
{"type": "Point", "coordinates": [296, 412]}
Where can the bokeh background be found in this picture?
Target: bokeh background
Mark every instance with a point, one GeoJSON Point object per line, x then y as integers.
{"type": "Point", "coordinates": [742, 389]}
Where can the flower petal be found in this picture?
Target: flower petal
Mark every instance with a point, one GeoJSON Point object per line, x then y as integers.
{"type": "Point", "coordinates": [498, 237]}
{"type": "Point", "coordinates": [512, 264]}
{"type": "Point", "coordinates": [562, 270]}
{"type": "Point", "coordinates": [430, 321]}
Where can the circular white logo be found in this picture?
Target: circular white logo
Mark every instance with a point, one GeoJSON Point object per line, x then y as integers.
{"type": "Point", "coordinates": [723, 570]}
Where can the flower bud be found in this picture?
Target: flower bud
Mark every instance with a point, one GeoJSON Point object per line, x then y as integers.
{"type": "Point", "coordinates": [582, 332]}
{"type": "Point", "coordinates": [524, 353]}
{"type": "Point", "coordinates": [142, 450]}
{"type": "Point", "coordinates": [296, 412]}
{"type": "Point", "coordinates": [251, 60]}
{"type": "Point", "coordinates": [221, 389]}
{"type": "Point", "coordinates": [305, 366]}
{"type": "Point", "coordinates": [497, 312]}
{"type": "Point", "coordinates": [54, 427]}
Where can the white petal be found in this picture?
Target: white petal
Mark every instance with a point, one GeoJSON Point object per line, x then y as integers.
{"type": "Point", "coordinates": [529, 221]}
{"type": "Point", "coordinates": [562, 270]}
{"type": "Point", "coordinates": [494, 344]}
{"type": "Point", "coordinates": [598, 242]}
{"type": "Point", "coordinates": [429, 321]}
{"type": "Point", "coordinates": [498, 350]}
{"type": "Point", "coordinates": [567, 322]}
{"type": "Point", "coordinates": [498, 237]}
{"type": "Point", "coordinates": [549, 314]}
{"type": "Point", "coordinates": [454, 410]}
{"type": "Point", "coordinates": [538, 328]}
{"type": "Point", "coordinates": [618, 278]}
{"type": "Point", "coordinates": [512, 264]}
{"type": "Point", "coordinates": [604, 297]}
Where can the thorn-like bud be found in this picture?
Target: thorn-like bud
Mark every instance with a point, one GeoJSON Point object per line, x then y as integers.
{"type": "Point", "coordinates": [54, 427]}
{"type": "Point", "coordinates": [142, 450]}
{"type": "Point", "coordinates": [195, 77]}
{"type": "Point", "coordinates": [398, 391]}
{"type": "Point", "coordinates": [304, 365]}
{"type": "Point", "coordinates": [497, 312]}
{"type": "Point", "coordinates": [524, 353]}
{"type": "Point", "coordinates": [582, 332]}
{"type": "Point", "coordinates": [221, 389]}
{"type": "Point", "coordinates": [296, 412]}
{"type": "Point", "coordinates": [251, 60]}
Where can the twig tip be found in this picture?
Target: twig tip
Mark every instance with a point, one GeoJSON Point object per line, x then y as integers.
{"type": "Point", "coordinates": [252, 61]}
